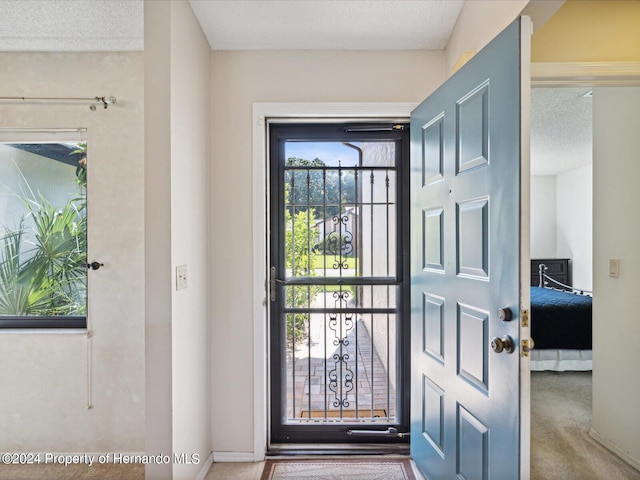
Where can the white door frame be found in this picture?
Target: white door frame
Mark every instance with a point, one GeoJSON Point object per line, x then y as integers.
{"type": "Point", "coordinates": [299, 112]}
{"type": "Point", "coordinates": [575, 74]}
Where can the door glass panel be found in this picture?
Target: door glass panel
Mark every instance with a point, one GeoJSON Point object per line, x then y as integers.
{"type": "Point", "coordinates": [341, 280]}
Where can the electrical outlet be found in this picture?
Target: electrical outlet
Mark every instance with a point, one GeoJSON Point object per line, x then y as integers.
{"type": "Point", "coordinates": [181, 277]}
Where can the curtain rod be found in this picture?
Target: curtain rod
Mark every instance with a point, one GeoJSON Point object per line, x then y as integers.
{"type": "Point", "coordinates": [106, 101]}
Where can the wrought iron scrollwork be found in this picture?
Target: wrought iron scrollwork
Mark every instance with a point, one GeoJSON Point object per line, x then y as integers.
{"type": "Point", "coordinates": [339, 242]}
{"type": "Point", "coordinates": [341, 376]}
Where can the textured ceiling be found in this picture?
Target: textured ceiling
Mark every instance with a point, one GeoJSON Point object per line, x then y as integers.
{"type": "Point", "coordinates": [71, 25]}
{"type": "Point", "coordinates": [327, 24]}
{"type": "Point", "coordinates": [117, 25]}
{"type": "Point", "coordinates": [561, 130]}
{"type": "Point", "coordinates": [561, 117]}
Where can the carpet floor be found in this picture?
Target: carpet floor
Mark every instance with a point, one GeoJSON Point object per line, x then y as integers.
{"type": "Point", "coordinates": [352, 469]}
{"type": "Point", "coordinates": [72, 472]}
{"type": "Point", "coordinates": [561, 447]}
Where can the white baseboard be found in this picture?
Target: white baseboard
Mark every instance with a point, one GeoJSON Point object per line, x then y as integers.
{"type": "Point", "coordinates": [608, 444]}
{"type": "Point", "coordinates": [205, 468]}
{"type": "Point", "coordinates": [233, 457]}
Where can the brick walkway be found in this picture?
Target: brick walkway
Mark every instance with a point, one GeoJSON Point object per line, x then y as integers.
{"type": "Point", "coordinates": [360, 390]}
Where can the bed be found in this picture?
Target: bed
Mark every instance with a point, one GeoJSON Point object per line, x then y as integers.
{"type": "Point", "coordinates": [560, 322]}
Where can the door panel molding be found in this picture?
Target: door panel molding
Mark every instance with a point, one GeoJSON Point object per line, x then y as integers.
{"type": "Point", "coordinates": [485, 133]}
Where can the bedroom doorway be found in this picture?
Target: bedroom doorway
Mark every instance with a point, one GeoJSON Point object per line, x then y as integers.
{"type": "Point", "coordinates": [572, 204]}
{"type": "Point", "coordinates": [561, 218]}
{"type": "Point", "coordinates": [561, 241]}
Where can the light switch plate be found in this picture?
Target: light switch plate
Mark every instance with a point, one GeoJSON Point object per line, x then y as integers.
{"type": "Point", "coordinates": [181, 277]}
{"type": "Point", "coordinates": [614, 268]}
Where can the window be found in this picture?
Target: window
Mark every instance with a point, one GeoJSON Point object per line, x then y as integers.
{"type": "Point", "coordinates": [43, 230]}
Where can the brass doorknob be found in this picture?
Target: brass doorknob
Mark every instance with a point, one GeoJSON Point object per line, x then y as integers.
{"type": "Point", "coordinates": [502, 344]}
{"type": "Point", "coordinates": [528, 345]}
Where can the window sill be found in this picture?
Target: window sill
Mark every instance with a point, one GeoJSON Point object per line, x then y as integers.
{"type": "Point", "coordinates": [43, 331]}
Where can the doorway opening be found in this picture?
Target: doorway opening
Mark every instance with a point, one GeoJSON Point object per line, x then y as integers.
{"type": "Point", "coordinates": [338, 283]}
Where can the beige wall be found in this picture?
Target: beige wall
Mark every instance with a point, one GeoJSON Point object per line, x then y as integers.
{"type": "Point", "coordinates": [238, 80]}
{"type": "Point", "coordinates": [561, 221]}
{"type": "Point", "coordinates": [44, 377]}
{"type": "Point", "coordinates": [574, 213]}
{"type": "Point", "coordinates": [190, 161]}
{"type": "Point", "coordinates": [177, 157]}
{"type": "Point", "coordinates": [590, 31]}
{"type": "Point", "coordinates": [543, 216]}
{"type": "Point", "coordinates": [157, 224]}
{"type": "Point", "coordinates": [616, 170]}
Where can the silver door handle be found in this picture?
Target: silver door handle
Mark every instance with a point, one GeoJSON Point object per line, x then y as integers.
{"type": "Point", "coordinates": [272, 283]}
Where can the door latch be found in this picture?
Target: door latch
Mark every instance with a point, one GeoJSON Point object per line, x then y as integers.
{"type": "Point", "coordinates": [272, 283]}
{"type": "Point", "coordinates": [527, 346]}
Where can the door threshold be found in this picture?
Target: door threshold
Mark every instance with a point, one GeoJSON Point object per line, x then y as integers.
{"type": "Point", "coordinates": [335, 449]}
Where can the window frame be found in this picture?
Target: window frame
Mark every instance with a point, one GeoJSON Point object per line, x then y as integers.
{"type": "Point", "coordinates": [44, 322]}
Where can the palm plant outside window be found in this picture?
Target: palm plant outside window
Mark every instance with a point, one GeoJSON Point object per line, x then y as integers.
{"type": "Point", "coordinates": [43, 234]}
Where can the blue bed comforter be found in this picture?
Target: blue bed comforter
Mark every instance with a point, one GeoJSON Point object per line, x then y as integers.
{"type": "Point", "coordinates": [560, 319]}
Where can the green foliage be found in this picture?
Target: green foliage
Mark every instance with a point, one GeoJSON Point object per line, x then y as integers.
{"type": "Point", "coordinates": [311, 193]}
{"type": "Point", "coordinates": [47, 275]}
{"type": "Point", "coordinates": [299, 260]}
{"type": "Point", "coordinates": [81, 169]}
{"type": "Point", "coordinates": [324, 193]}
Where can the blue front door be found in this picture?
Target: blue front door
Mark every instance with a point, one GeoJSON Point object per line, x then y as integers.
{"type": "Point", "coordinates": [466, 247]}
